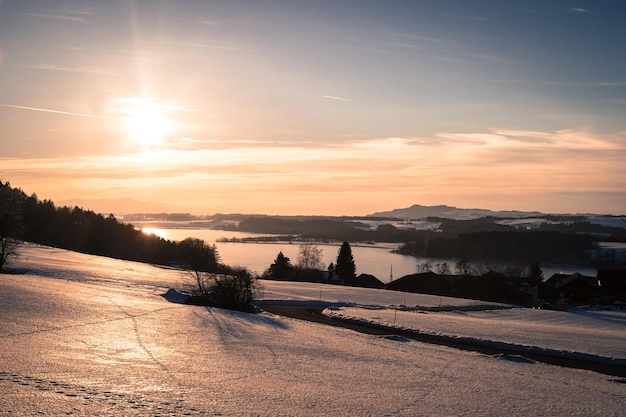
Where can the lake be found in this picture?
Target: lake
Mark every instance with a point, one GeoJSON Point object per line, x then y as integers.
{"type": "Point", "coordinates": [375, 259]}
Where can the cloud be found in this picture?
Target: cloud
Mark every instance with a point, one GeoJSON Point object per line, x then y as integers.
{"type": "Point", "coordinates": [93, 71]}
{"type": "Point", "coordinates": [611, 84]}
{"type": "Point", "coordinates": [499, 165]}
{"type": "Point", "coordinates": [196, 44]}
{"type": "Point", "coordinates": [577, 10]}
{"type": "Point", "coordinates": [70, 17]}
{"type": "Point", "coordinates": [39, 109]}
{"type": "Point", "coordinates": [338, 98]}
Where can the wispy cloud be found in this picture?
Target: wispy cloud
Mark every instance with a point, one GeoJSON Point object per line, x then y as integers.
{"type": "Point", "coordinates": [577, 10]}
{"type": "Point", "coordinates": [611, 84]}
{"type": "Point", "coordinates": [196, 44]}
{"type": "Point", "coordinates": [69, 113]}
{"type": "Point", "coordinates": [92, 71]}
{"type": "Point", "coordinates": [70, 17]}
{"type": "Point", "coordinates": [475, 18]}
{"type": "Point", "coordinates": [586, 84]}
{"type": "Point", "coordinates": [337, 98]}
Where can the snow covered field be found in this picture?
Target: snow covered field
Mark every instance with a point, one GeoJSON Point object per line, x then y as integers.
{"type": "Point", "coordinates": [85, 335]}
{"type": "Point", "coordinates": [591, 332]}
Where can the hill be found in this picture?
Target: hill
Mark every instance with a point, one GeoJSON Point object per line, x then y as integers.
{"type": "Point", "coordinates": [417, 211]}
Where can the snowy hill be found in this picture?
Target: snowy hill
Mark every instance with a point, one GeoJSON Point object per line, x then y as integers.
{"type": "Point", "coordinates": [86, 335]}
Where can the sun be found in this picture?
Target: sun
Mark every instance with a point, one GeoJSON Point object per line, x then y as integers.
{"type": "Point", "coordinates": [148, 123]}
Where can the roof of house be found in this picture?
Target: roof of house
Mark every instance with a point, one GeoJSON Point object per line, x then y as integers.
{"type": "Point", "coordinates": [419, 282]}
{"type": "Point", "coordinates": [368, 281]}
{"type": "Point", "coordinates": [560, 280]}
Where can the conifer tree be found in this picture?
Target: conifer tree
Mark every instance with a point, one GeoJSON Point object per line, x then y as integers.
{"type": "Point", "coordinates": [281, 268]}
{"type": "Point", "coordinates": [345, 267]}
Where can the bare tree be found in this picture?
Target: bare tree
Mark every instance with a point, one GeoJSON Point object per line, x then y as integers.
{"type": "Point", "coordinates": [443, 269]}
{"type": "Point", "coordinates": [424, 266]}
{"type": "Point", "coordinates": [232, 288]}
{"type": "Point", "coordinates": [8, 250]}
{"type": "Point", "coordinates": [11, 203]}
{"type": "Point", "coordinates": [310, 256]}
{"type": "Point", "coordinates": [463, 267]}
{"type": "Point", "coordinates": [200, 259]}
{"type": "Point", "coordinates": [511, 270]}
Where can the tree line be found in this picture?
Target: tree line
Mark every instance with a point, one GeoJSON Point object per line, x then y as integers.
{"type": "Point", "coordinates": [526, 246]}
{"type": "Point", "coordinates": [309, 266]}
{"type": "Point", "coordinates": [30, 219]}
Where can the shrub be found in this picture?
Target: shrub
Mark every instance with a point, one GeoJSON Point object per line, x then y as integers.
{"type": "Point", "coordinates": [233, 290]}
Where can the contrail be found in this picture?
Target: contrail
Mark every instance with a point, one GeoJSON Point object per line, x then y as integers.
{"type": "Point", "coordinates": [338, 98]}
{"type": "Point", "coordinates": [91, 116]}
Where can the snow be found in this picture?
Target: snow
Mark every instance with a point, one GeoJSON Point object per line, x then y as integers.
{"type": "Point", "coordinates": [608, 221]}
{"type": "Point", "coordinates": [317, 294]}
{"type": "Point", "coordinates": [88, 336]}
{"type": "Point", "coordinates": [595, 333]}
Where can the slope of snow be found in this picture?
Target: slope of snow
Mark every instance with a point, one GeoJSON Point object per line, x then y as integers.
{"type": "Point", "coordinates": [88, 336]}
{"type": "Point", "coordinates": [286, 292]}
{"type": "Point", "coordinates": [590, 332]}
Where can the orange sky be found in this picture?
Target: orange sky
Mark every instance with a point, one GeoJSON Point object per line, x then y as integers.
{"type": "Point", "coordinates": [313, 110]}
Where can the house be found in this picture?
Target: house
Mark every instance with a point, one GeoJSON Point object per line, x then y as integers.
{"type": "Point", "coordinates": [425, 283]}
{"type": "Point", "coordinates": [525, 293]}
{"type": "Point", "coordinates": [367, 281]}
{"type": "Point", "coordinates": [571, 289]}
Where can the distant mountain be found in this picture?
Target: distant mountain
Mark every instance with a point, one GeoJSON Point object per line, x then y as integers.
{"type": "Point", "coordinates": [117, 206]}
{"type": "Point", "coordinates": [420, 212]}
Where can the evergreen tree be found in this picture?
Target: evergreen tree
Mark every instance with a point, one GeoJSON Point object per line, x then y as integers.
{"type": "Point", "coordinates": [345, 268]}
{"type": "Point", "coordinates": [331, 271]}
{"type": "Point", "coordinates": [281, 268]}
{"type": "Point", "coordinates": [535, 274]}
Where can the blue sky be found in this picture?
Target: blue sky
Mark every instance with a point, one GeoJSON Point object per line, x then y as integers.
{"type": "Point", "coordinates": [326, 107]}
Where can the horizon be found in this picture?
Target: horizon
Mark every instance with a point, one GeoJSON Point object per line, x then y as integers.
{"type": "Point", "coordinates": [83, 204]}
{"type": "Point", "coordinates": [324, 109]}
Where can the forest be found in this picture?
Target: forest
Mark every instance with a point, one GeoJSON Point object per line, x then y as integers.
{"type": "Point", "coordinates": [29, 219]}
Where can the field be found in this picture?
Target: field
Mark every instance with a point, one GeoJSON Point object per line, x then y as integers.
{"type": "Point", "coordinates": [86, 335]}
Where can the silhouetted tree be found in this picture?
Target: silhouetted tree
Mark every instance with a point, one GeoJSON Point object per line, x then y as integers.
{"type": "Point", "coordinates": [424, 267]}
{"type": "Point", "coordinates": [463, 267]}
{"type": "Point", "coordinates": [11, 204]}
{"type": "Point", "coordinates": [310, 256]}
{"type": "Point", "coordinates": [281, 269]}
{"type": "Point", "coordinates": [535, 274]}
{"type": "Point", "coordinates": [443, 269]}
{"type": "Point", "coordinates": [234, 290]}
{"type": "Point", "coordinates": [331, 271]}
{"type": "Point", "coordinates": [200, 259]}
{"type": "Point", "coordinates": [345, 267]}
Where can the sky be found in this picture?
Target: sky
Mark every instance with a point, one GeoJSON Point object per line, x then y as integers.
{"type": "Point", "coordinates": [326, 107]}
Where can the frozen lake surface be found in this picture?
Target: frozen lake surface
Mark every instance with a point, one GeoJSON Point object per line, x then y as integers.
{"type": "Point", "coordinates": [90, 336]}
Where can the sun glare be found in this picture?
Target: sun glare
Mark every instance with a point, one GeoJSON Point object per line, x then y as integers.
{"type": "Point", "coordinates": [154, 231]}
{"type": "Point", "coordinates": [148, 123]}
